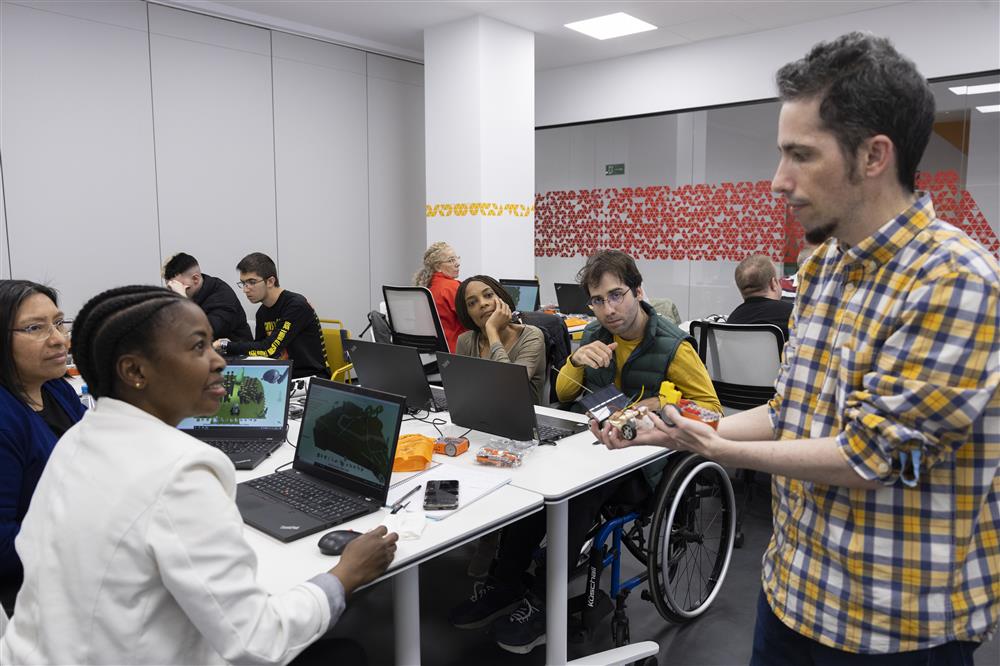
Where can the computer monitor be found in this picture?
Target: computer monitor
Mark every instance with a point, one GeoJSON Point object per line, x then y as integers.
{"type": "Point", "coordinates": [524, 292]}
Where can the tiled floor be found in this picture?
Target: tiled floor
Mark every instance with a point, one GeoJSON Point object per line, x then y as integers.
{"type": "Point", "coordinates": [721, 637]}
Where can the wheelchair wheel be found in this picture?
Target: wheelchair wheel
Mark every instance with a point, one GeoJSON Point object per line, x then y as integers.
{"type": "Point", "coordinates": [691, 538]}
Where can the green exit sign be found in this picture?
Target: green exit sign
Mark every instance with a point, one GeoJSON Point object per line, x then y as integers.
{"type": "Point", "coordinates": [614, 169]}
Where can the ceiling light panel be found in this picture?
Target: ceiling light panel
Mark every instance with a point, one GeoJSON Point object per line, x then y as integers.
{"type": "Point", "coordinates": [611, 26]}
{"type": "Point", "coordinates": [976, 90]}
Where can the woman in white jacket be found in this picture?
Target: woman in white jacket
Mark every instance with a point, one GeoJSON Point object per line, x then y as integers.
{"type": "Point", "coordinates": [132, 547]}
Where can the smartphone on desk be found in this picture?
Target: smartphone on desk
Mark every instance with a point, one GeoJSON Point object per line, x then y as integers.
{"type": "Point", "coordinates": [441, 495]}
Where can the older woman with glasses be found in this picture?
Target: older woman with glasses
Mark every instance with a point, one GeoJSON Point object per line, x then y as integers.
{"type": "Point", "coordinates": [439, 273]}
{"type": "Point", "coordinates": [36, 407]}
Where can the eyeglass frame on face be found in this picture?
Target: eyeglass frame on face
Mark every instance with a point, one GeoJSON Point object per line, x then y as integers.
{"type": "Point", "coordinates": [252, 282]}
{"type": "Point", "coordinates": [452, 260]}
{"type": "Point", "coordinates": [44, 331]}
{"type": "Point", "coordinates": [614, 297]}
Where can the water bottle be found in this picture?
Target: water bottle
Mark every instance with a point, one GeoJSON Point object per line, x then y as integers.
{"type": "Point", "coordinates": [86, 399]}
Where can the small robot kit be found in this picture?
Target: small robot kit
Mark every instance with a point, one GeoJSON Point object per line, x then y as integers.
{"type": "Point", "coordinates": [451, 446]}
{"type": "Point", "coordinates": [498, 456]}
{"type": "Point", "coordinates": [612, 406]}
{"type": "Point", "coordinates": [688, 408]}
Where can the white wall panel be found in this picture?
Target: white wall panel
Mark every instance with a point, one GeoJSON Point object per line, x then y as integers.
{"type": "Point", "coordinates": [321, 172]}
{"type": "Point", "coordinates": [214, 139]}
{"type": "Point", "coordinates": [741, 68]}
{"type": "Point", "coordinates": [76, 139]}
{"type": "Point", "coordinates": [4, 246]}
{"type": "Point", "coordinates": [396, 193]}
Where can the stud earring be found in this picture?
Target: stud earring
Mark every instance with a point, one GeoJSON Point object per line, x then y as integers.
{"type": "Point", "coordinates": [138, 385]}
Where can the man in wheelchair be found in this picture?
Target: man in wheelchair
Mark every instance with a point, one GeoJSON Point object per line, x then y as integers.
{"type": "Point", "coordinates": [634, 348]}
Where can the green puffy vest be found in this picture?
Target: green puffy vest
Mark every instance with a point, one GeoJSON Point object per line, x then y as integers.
{"type": "Point", "coordinates": [644, 369]}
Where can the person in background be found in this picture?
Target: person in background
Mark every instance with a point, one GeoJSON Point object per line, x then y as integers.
{"type": "Point", "coordinates": [183, 275]}
{"type": "Point", "coordinates": [634, 348]}
{"type": "Point", "coordinates": [484, 307]}
{"type": "Point", "coordinates": [36, 407]}
{"type": "Point", "coordinates": [439, 273]}
{"type": "Point", "coordinates": [883, 436]}
{"type": "Point", "coordinates": [133, 546]}
{"type": "Point", "coordinates": [757, 280]}
{"type": "Point", "coordinates": [287, 325]}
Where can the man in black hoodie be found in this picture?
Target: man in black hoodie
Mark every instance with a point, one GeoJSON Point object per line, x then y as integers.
{"type": "Point", "coordinates": [287, 325]}
{"type": "Point", "coordinates": [183, 275]}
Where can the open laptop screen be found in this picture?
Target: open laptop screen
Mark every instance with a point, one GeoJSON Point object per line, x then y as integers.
{"type": "Point", "coordinates": [350, 432]}
{"type": "Point", "coordinates": [256, 399]}
{"type": "Point", "coordinates": [572, 298]}
{"type": "Point", "coordinates": [524, 293]}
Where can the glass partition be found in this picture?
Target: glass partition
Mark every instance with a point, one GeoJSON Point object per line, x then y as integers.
{"type": "Point", "coordinates": [689, 194]}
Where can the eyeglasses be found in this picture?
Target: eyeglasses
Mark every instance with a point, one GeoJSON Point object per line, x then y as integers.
{"type": "Point", "coordinates": [452, 260]}
{"type": "Point", "coordinates": [614, 298]}
{"type": "Point", "coordinates": [39, 332]}
{"type": "Point", "coordinates": [252, 282]}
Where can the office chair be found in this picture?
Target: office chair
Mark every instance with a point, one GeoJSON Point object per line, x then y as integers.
{"type": "Point", "coordinates": [333, 341]}
{"type": "Point", "coordinates": [743, 362]}
{"type": "Point", "coordinates": [557, 349]}
{"type": "Point", "coordinates": [413, 319]}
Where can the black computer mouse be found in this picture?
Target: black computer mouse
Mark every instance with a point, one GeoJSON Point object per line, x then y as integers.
{"type": "Point", "coordinates": [333, 543]}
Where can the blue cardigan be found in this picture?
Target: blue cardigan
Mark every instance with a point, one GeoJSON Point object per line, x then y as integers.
{"type": "Point", "coordinates": [25, 444]}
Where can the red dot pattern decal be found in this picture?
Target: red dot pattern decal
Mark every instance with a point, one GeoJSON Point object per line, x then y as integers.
{"type": "Point", "coordinates": [727, 221]}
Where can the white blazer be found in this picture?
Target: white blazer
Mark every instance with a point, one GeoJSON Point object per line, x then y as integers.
{"type": "Point", "coordinates": [133, 553]}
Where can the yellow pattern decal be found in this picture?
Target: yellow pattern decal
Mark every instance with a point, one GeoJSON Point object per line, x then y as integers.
{"type": "Point", "coordinates": [479, 208]}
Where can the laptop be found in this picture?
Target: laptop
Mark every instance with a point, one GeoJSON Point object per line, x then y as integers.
{"type": "Point", "coordinates": [395, 369]}
{"type": "Point", "coordinates": [252, 421]}
{"type": "Point", "coordinates": [495, 397]}
{"type": "Point", "coordinates": [342, 466]}
{"type": "Point", "coordinates": [572, 299]}
{"type": "Point", "coordinates": [524, 292]}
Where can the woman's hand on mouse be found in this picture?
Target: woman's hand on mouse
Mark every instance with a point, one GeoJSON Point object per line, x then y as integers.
{"type": "Point", "coordinates": [365, 558]}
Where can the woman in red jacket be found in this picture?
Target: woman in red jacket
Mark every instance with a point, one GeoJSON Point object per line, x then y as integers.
{"type": "Point", "coordinates": [439, 273]}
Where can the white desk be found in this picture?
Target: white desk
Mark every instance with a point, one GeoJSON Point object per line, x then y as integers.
{"type": "Point", "coordinates": [559, 473]}
{"type": "Point", "coordinates": [283, 565]}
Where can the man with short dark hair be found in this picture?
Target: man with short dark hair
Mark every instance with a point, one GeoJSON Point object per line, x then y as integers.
{"type": "Point", "coordinates": [760, 288]}
{"type": "Point", "coordinates": [636, 349]}
{"type": "Point", "coordinates": [183, 275]}
{"type": "Point", "coordinates": [883, 437]}
{"type": "Point", "coordinates": [287, 325]}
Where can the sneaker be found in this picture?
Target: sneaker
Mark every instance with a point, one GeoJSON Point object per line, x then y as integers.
{"type": "Point", "coordinates": [490, 599]}
{"type": "Point", "coordinates": [524, 629]}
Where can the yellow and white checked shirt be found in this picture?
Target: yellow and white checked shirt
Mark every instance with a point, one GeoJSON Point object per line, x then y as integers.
{"type": "Point", "coordinates": [894, 351]}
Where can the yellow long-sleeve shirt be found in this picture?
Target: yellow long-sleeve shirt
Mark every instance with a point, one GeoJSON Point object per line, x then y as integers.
{"type": "Point", "coordinates": [686, 371]}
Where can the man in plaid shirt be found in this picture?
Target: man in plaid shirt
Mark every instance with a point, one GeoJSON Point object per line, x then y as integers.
{"type": "Point", "coordinates": [883, 437]}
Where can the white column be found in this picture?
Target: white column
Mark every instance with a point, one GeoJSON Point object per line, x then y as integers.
{"type": "Point", "coordinates": [479, 103]}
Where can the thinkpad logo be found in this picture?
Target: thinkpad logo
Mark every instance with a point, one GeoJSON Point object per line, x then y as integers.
{"type": "Point", "coordinates": [289, 527]}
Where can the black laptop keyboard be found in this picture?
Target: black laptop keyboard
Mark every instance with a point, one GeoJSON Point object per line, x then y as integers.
{"type": "Point", "coordinates": [241, 446]}
{"type": "Point", "coordinates": [547, 433]}
{"type": "Point", "coordinates": [317, 501]}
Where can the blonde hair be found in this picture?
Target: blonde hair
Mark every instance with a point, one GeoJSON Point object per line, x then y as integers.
{"type": "Point", "coordinates": [437, 253]}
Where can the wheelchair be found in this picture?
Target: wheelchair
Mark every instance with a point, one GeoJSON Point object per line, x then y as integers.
{"type": "Point", "coordinates": [683, 534]}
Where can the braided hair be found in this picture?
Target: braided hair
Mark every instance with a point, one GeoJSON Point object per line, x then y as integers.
{"type": "Point", "coordinates": [462, 310]}
{"type": "Point", "coordinates": [116, 322]}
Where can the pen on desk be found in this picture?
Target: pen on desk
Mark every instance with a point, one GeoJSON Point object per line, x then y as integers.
{"type": "Point", "coordinates": [398, 504]}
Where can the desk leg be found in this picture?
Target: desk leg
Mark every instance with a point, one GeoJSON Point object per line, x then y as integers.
{"type": "Point", "coordinates": [556, 586]}
{"type": "Point", "coordinates": [406, 608]}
